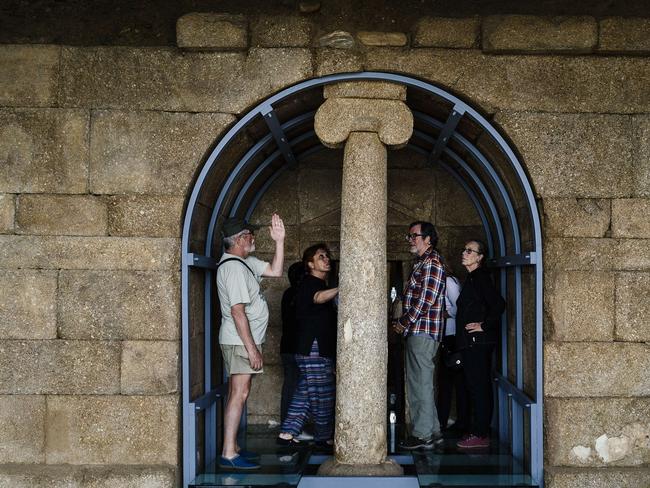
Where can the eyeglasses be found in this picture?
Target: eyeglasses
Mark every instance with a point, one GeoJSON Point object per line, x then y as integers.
{"type": "Point", "coordinates": [467, 250]}
{"type": "Point", "coordinates": [412, 237]}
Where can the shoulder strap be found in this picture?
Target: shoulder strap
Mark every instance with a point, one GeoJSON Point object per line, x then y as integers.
{"type": "Point", "coordinates": [237, 259]}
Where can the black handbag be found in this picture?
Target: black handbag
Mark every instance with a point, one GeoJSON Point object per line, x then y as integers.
{"type": "Point", "coordinates": [452, 359]}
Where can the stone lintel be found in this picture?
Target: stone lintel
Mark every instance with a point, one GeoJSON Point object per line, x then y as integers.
{"type": "Point", "coordinates": [211, 31]}
{"type": "Point", "coordinates": [365, 89]}
{"type": "Point", "coordinates": [338, 117]}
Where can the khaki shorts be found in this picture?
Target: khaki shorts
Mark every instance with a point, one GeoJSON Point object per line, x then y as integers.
{"type": "Point", "coordinates": [235, 359]}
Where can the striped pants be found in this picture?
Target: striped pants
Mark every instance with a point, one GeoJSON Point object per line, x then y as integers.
{"type": "Point", "coordinates": [313, 397]}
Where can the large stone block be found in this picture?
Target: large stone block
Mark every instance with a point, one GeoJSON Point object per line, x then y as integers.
{"type": "Point", "coordinates": [145, 215]}
{"type": "Point", "coordinates": [281, 198]}
{"type": "Point", "coordinates": [112, 430]}
{"type": "Point", "coordinates": [114, 305]}
{"type": "Point", "coordinates": [527, 83]}
{"type": "Point", "coordinates": [452, 207]}
{"type": "Point", "coordinates": [596, 369]}
{"type": "Point", "coordinates": [320, 196]}
{"type": "Point", "coordinates": [447, 32]}
{"type": "Point", "coordinates": [580, 305]}
{"type": "Point", "coordinates": [588, 156]}
{"type": "Point", "coordinates": [67, 476]}
{"type": "Point", "coordinates": [633, 307]}
{"type": "Point", "coordinates": [7, 213]}
{"type": "Point", "coordinates": [22, 429]}
{"type": "Point", "coordinates": [149, 152]}
{"type": "Point", "coordinates": [211, 31]}
{"type": "Point", "coordinates": [530, 33]}
{"type": "Point", "coordinates": [59, 367]}
{"type": "Point", "coordinates": [64, 252]}
{"type": "Point", "coordinates": [72, 215]}
{"type": "Point", "coordinates": [29, 75]}
{"type": "Point", "coordinates": [365, 89]}
{"type": "Point", "coordinates": [596, 478]}
{"type": "Point", "coordinates": [28, 304]}
{"type": "Point", "coordinates": [597, 431]}
{"type": "Point", "coordinates": [597, 254]}
{"type": "Point", "coordinates": [149, 367]}
{"type": "Point", "coordinates": [624, 35]}
{"type": "Point", "coordinates": [166, 79]}
{"type": "Point", "coordinates": [43, 151]}
{"type": "Point", "coordinates": [379, 39]}
{"type": "Point", "coordinates": [631, 218]}
{"type": "Point", "coordinates": [281, 31]}
{"type": "Point", "coordinates": [411, 193]}
{"type": "Point", "coordinates": [330, 61]}
{"type": "Point", "coordinates": [576, 217]}
{"type": "Point", "coordinates": [641, 138]}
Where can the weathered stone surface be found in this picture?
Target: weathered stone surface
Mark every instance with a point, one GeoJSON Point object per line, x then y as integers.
{"type": "Point", "coordinates": [360, 434]}
{"type": "Point", "coordinates": [337, 118]}
{"type": "Point", "coordinates": [452, 206]}
{"type": "Point", "coordinates": [624, 35]}
{"type": "Point", "coordinates": [319, 196]}
{"type": "Point", "coordinates": [112, 430]}
{"type": "Point", "coordinates": [282, 31]}
{"type": "Point", "coordinates": [145, 215]}
{"type": "Point", "coordinates": [22, 429]}
{"type": "Point", "coordinates": [580, 305]}
{"type": "Point", "coordinates": [67, 476]}
{"type": "Point", "coordinates": [596, 478]}
{"type": "Point", "coordinates": [525, 83]}
{"type": "Point", "coordinates": [212, 31]}
{"type": "Point", "coordinates": [631, 218]}
{"type": "Point", "coordinates": [115, 305]}
{"type": "Point", "coordinates": [265, 393]}
{"type": "Point", "coordinates": [166, 79]}
{"type": "Point", "coordinates": [641, 136]}
{"type": "Point", "coordinates": [574, 155]}
{"type": "Point", "coordinates": [576, 217]}
{"type": "Point", "coordinates": [149, 152]}
{"type": "Point", "coordinates": [266, 246]}
{"type": "Point", "coordinates": [64, 252]}
{"type": "Point", "coordinates": [72, 215]}
{"type": "Point", "coordinates": [309, 6]}
{"type": "Point", "coordinates": [365, 89]}
{"type": "Point", "coordinates": [447, 32]}
{"type": "Point", "coordinates": [395, 39]}
{"type": "Point", "coordinates": [337, 40]}
{"type": "Point", "coordinates": [281, 197]}
{"type": "Point", "coordinates": [43, 151]}
{"type": "Point", "coordinates": [28, 304]}
{"type": "Point", "coordinates": [7, 213]}
{"type": "Point", "coordinates": [575, 429]}
{"type": "Point", "coordinates": [149, 368]}
{"type": "Point", "coordinates": [29, 75]}
{"type": "Point", "coordinates": [596, 369]}
{"type": "Point", "coordinates": [59, 367]}
{"type": "Point", "coordinates": [597, 254]}
{"type": "Point", "coordinates": [633, 307]}
{"type": "Point", "coordinates": [529, 33]}
{"type": "Point", "coordinates": [411, 194]}
{"type": "Point", "coordinates": [330, 61]}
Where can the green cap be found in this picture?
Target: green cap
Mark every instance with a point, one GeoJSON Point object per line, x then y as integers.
{"type": "Point", "coordinates": [235, 225]}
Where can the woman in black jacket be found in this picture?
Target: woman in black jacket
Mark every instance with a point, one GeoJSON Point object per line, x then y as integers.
{"type": "Point", "coordinates": [477, 328]}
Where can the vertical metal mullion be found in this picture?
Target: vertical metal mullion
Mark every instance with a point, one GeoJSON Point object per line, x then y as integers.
{"type": "Point", "coordinates": [517, 431]}
{"type": "Point", "coordinates": [189, 445]}
{"type": "Point", "coordinates": [504, 418]}
{"type": "Point", "coordinates": [210, 428]}
{"type": "Point", "coordinates": [519, 331]}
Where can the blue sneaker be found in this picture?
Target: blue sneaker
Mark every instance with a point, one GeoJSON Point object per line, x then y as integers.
{"type": "Point", "coordinates": [238, 463]}
{"type": "Point", "coordinates": [249, 455]}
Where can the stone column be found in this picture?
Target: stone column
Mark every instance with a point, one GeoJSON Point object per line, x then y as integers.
{"type": "Point", "coordinates": [366, 117]}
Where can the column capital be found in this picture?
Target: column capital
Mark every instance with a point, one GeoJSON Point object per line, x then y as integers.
{"type": "Point", "coordinates": [338, 117]}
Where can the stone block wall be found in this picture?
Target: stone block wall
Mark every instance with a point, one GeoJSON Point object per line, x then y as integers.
{"type": "Point", "coordinates": [98, 150]}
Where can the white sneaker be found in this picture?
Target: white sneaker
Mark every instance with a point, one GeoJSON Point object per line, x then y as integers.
{"type": "Point", "coordinates": [304, 436]}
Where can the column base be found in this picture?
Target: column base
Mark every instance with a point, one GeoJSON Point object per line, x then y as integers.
{"type": "Point", "coordinates": [332, 467]}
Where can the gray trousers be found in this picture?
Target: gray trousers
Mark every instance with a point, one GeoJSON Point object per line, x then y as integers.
{"type": "Point", "coordinates": [420, 368]}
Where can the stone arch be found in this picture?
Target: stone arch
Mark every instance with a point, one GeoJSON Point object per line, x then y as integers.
{"type": "Point", "coordinates": [278, 134]}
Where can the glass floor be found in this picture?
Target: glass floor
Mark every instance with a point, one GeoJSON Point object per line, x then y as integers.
{"type": "Point", "coordinates": [444, 466]}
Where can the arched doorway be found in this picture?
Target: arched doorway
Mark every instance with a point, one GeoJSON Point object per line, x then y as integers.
{"type": "Point", "coordinates": [278, 134]}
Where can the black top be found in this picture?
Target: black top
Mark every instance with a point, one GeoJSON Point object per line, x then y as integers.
{"type": "Point", "coordinates": [315, 320]}
{"type": "Point", "coordinates": [479, 301]}
{"type": "Point", "coordinates": [289, 321]}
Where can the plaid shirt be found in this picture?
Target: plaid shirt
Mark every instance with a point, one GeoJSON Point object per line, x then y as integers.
{"type": "Point", "coordinates": [423, 303]}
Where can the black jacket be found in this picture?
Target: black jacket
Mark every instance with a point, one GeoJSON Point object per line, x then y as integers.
{"type": "Point", "coordinates": [479, 301]}
{"type": "Point", "coordinates": [315, 320]}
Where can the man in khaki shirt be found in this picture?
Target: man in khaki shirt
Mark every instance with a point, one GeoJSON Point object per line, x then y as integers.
{"type": "Point", "coordinates": [243, 326]}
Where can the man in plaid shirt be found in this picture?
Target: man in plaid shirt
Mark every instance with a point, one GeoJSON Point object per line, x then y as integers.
{"type": "Point", "coordinates": [422, 323]}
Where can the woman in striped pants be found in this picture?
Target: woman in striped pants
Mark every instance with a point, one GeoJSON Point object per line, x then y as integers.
{"type": "Point", "coordinates": [316, 346]}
